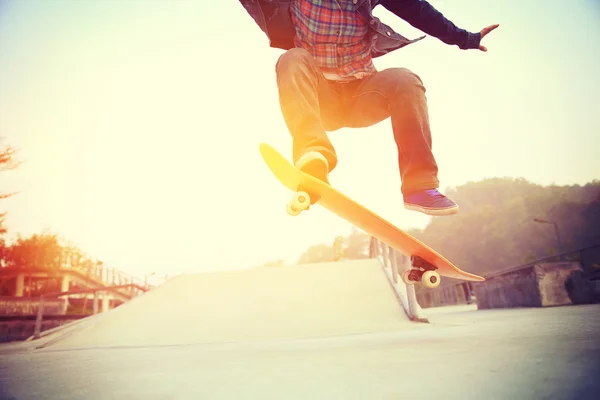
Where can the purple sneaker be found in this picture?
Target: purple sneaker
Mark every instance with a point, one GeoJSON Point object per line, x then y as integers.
{"type": "Point", "coordinates": [430, 202]}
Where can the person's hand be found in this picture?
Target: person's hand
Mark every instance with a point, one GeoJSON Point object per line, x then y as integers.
{"type": "Point", "coordinates": [484, 32]}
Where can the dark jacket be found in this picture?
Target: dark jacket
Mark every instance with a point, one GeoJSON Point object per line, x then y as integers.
{"type": "Point", "coordinates": [273, 17]}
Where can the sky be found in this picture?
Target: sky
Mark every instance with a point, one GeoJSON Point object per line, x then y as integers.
{"type": "Point", "coordinates": [138, 124]}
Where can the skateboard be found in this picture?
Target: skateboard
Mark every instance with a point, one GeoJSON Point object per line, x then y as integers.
{"type": "Point", "coordinates": [427, 264]}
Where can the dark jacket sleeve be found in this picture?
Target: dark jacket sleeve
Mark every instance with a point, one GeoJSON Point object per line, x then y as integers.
{"type": "Point", "coordinates": [422, 15]}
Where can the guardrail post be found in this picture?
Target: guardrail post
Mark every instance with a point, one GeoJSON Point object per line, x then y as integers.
{"type": "Point", "coordinates": [399, 260]}
{"type": "Point", "coordinates": [38, 319]}
{"type": "Point", "coordinates": [393, 263]}
{"type": "Point", "coordinates": [386, 256]}
{"type": "Point", "coordinates": [105, 301]}
{"type": "Point", "coordinates": [410, 290]}
{"type": "Point", "coordinates": [95, 303]}
{"type": "Point", "coordinates": [395, 266]}
{"type": "Point", "coordinates": [374, 248]}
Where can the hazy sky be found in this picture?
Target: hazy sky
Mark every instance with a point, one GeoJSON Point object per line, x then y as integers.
{"type": "Point", "coordinates": [138, 123]}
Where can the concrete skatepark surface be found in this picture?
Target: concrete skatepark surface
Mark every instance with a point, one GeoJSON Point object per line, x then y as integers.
{"type": "Point", "coordinates": [269, 303]}
{"type": "Point", "coordinates": [326, 331]}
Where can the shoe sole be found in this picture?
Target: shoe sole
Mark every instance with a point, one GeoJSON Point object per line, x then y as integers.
{"type": "Point", "coordinates": [432, 211]}
{"type": "Point", "coordinates": [317, 169]}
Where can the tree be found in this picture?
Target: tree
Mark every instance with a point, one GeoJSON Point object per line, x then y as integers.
{"type": "Point", "coordinates": [274, 263]}
{"type": "Point", "coordinates": [495, 228]}
{"type": "Point", "coordinates": [37, 251]}
{"type": "Point", "coordinates": [338, 248]}
{"type": "Point", "coordinates": [357, 245]}
{"type": "Point", "coordinates": [317, 254]}
{"type": "Point", "coordinates": [7, 162]}
{"type": "Point", "coordinates": [352, 247]}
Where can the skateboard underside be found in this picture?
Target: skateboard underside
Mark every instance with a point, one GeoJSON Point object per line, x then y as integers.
{"type": "Point", "coordinates": [427, 264]}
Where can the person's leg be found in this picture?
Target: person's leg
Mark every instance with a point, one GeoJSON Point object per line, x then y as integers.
{"type": "Point", "coordinates": [399, 93]}
{"type": "Point", "coordinates": [309, 106]}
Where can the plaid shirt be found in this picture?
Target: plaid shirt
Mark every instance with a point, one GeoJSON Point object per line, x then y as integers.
{"type": "Point", "coordinates": [335, 35]}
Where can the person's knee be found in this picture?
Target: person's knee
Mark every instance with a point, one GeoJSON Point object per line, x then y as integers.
{"type": "Point", "coordinates": [403, 80]}
{"type": "Point", "coordinates": [293, 61]}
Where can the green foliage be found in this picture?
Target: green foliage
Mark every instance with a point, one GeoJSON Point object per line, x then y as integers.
{"type": "Point", "coordinates": [44, 251]}
{"type": "Point", "coordinates": [495, 229]}
{"type": "Point", "coordinates": [7, 162]}
{"type": "Point", "coordinates": [316, 254]}
{"type": "Point", "coordinates": [352, 247]}
{"type": "Point", "coordinates": [37, 251]}
{"type": "Point", "coordinates": [275, 263]}
{"type": "Point", "coordinates": [356, 245]}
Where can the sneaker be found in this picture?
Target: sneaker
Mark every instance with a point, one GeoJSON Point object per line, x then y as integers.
{"type": "Point", "coordinates": [430, 202]}
{"type": "Point", "coordinates": [315, 164]}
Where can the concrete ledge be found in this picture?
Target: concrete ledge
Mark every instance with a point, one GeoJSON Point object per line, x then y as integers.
{"type": "Point", "coordinates": [538, 285]}
{"type": "Point", "coordinates": [29, 306]}
{"type": "Point", "coordinates": [23, 329]}
{"type": "Point", "coordinates": [448, 295]}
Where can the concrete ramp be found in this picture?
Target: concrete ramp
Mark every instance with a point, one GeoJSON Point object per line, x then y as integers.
{"type": "Point", "coordinates": [269, 303]}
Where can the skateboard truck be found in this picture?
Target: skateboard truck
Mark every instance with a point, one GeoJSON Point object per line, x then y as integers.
{"type": "Point", "coordinates": [421, 272]}
{"type": "Point", "coordinates": [301, 200]}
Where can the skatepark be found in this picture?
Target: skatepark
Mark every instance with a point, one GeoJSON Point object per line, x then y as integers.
{"type": "Point", "coordinates": [332, 330]}
{"type": "Point", "coordinates": [130, 137]}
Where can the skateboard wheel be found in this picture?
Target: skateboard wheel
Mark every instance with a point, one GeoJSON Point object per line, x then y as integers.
{"type": "Point", "coordinates": [291, 210]}
{"type": "Point", "coordinates": [405, 277]}
{"type": "Point", "coordinates": [430, 279]}
{"type": "Point", "coordinates": [300, 201]}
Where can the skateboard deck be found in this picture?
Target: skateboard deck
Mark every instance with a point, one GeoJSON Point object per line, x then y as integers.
{"type": "Point", "coordinates": [427, 264]}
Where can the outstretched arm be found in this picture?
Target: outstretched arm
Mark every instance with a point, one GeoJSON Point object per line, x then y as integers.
{"type": "Point", "coordinates": [423, 16]}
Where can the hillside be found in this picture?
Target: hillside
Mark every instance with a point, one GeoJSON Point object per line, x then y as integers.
{"type": "Point", "coordinates": [495, 227]}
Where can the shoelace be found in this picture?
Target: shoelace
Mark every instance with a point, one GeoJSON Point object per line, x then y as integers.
{"type": "Point", "coordinates": [435, 194]}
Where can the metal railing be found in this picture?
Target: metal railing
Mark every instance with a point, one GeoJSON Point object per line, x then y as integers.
{"type": "Point", "coordinates": [95, 291]}
{"type": "Point", "coordinates": [560, 257]}
{"type": "Point", "coordinates": [394, 264]}
{"type": "Point", "coordinates": [107, 275]}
